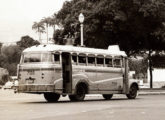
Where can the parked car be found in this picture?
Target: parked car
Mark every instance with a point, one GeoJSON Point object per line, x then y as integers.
{"type": "Point", "coordinates": [15, 83]}
{"type": "Point", "coordinates": [8, 85]}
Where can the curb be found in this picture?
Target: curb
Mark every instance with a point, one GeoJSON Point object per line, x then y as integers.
{"type": "Point", "coordinates": [151, 93]}
{"type": "Point", "coordinates": [139, 93]}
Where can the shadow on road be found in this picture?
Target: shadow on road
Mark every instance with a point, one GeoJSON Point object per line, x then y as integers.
{"type": "Point", "coordinates": [85, 101]}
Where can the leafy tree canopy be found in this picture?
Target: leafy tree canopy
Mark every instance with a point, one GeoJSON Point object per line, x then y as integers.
{"type": "Point", "coordinates": [27, 41]}
{"type": "Point", "coordinates": [10, 55]}
{"type": "Point", "coordinates": [133, 24]}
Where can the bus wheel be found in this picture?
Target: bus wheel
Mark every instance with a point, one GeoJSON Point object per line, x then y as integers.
{"type": "Point", "coordinates": [80, 94]}
{"type": "Point", "coordinates": [51, 97]}
{"type": "Point", "coordinates": [132, 92]}
{"type": "Point", "coordinates": [107, 97]}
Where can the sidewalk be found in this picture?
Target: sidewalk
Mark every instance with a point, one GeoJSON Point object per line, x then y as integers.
{"type": "Point", "coordinates": [153, 91]}
{"type": "Point", "coordinates": [156, 90]}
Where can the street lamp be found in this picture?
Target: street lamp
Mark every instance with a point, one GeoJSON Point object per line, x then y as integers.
{"type": "Point", "coordinates": [81, 19]}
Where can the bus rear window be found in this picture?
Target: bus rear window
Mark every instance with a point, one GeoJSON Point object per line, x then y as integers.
{"type": "Point", "coordinates": [36, 57]}
{"type": "Point", "coordinates": [46, 57]}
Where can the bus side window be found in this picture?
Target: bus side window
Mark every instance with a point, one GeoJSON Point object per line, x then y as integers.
{"type": "Point", "coordinates": [91, 61]}
{"type": "Point", "coordinates": [82, 59]}
{"type": "Point", "coordinates": [117, 62]}
{"type": "Point", "coordinates": [57, 58]}
{"type": "Point", "coordinates": [108, 62]}
{"type": "Point", "coordinates": [100, 61]}
{"type": "Point", "coordinates": [74, 59]}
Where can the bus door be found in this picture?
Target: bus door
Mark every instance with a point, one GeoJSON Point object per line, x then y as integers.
{"type": "Point", "coordinates": [67, 72]}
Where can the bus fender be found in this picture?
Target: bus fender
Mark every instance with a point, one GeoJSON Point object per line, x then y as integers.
{"type": "Point", "coordinates": [133, 82]}
{"type": "Point", "coordinates": [83, 82]}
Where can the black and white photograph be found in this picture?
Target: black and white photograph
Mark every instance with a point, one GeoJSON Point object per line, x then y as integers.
{"type": "Point", "coordinates": [82, 59]}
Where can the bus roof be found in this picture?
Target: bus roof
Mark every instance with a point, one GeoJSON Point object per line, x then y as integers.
{"type": "Point", "coordinates": [74, 49]}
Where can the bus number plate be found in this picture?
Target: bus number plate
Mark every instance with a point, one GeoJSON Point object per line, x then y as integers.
{"type": "Point", "coordinates": [30, 81]}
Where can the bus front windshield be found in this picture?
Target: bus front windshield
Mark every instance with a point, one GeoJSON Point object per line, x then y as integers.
{"type": "Point", "coordinates": [36, 57]}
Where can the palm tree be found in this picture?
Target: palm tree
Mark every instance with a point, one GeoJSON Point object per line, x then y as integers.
{"type": "Point", "coordinates": [39, 27]}
{"type": "Point", "coordinates": [46, 21]}
{"type": "Point", "coordinates": [54, 21]}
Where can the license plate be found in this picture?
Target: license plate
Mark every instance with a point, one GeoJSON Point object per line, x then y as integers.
{"type": "Point", "coordinates": [30, 81]}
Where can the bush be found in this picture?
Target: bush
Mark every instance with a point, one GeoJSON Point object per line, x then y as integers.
{"type": "Point", "coordinates": [4, 79]}
{"type": "Point", "coordinates": [139, 66]}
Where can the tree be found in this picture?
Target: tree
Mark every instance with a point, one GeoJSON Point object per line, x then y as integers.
{"type": "Point", "coordinates": [140, 66]}
{"type": "Point", "coordinates": [3, 60]}
{"type": "Point", "coordinates": [54, 21]}
{"type": "Point", "coordinates": [107, 21]}
{"type": "Point", "coordinates": [27, 41]}
{"type": "Point", "coordinates": [47, 22]}
{"type": "Point", "coordinates": [39, 27]}
{"type": "Point", "coordinates": [11, 54]}
{"type": "Point", "coordinates": [4, 79]}
{"type": "Point", "coordinates": [0, 47]}
{"type": "Point", "coordinates": [58, 37]}
{"type": "Point", "coordinates": [69, 22]}
{"type": "Point", "coordinates": [10, 57]}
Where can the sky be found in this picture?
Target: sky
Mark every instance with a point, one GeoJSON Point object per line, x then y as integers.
{"type": "Point", "coordinates": [18, 16]}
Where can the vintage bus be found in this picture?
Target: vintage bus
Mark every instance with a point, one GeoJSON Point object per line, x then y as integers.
{"type": "Point", "coordinates": [55, 70]}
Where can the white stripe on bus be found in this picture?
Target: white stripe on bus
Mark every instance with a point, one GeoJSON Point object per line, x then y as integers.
{"type": "Point", "coordinates": [100, 81]}
{"type": "Point", "coordinates": [106, 80]}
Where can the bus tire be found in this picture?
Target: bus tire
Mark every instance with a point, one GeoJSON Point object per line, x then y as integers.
{"type": "Point", "coordinates": [132, 92]}
{"type": "Point", "coordinates": [107, 97]}
{"type": "Point", "coordinates": [72, 98]}
{"type": "Point", "coordinates": [51, 97]}
{"type": "Point", "coordinates": [80, 94]}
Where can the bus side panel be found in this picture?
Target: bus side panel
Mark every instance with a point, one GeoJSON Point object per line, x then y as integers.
{"type": "Point", "coordinates": [98, 78]}
{"type": "Point", "coordinates": [110, 80]}
{"type": "Point", "coordinates": [85, 74]}
{"type": "Point", "coordinates": [58, 79]}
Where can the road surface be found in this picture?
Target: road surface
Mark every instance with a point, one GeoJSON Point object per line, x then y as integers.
{"type": "Point", "coordinates": [34, 107]}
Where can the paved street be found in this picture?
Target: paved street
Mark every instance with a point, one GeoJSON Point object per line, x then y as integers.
{"type": "Point", "coordinates": [34, 107]}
